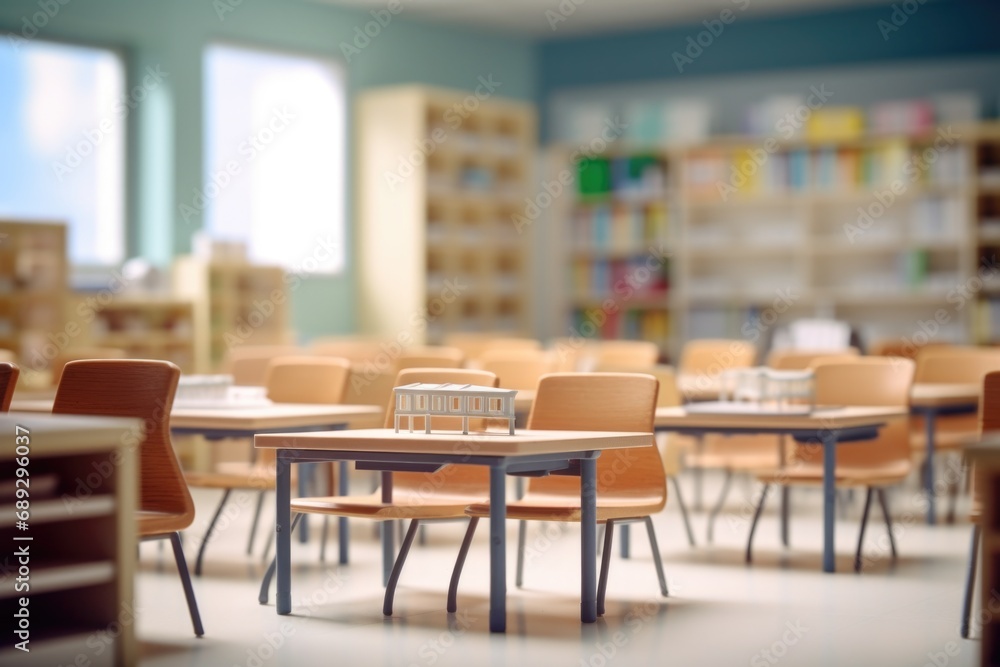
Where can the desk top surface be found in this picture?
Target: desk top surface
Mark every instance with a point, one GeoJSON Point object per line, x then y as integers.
{"type": "Point", "coordinates": [935, 394]}
{"type": "Point", "coordinates": [493, 443]}
{"type": "Point", "coordinates": [51, 435]}
{"type": "Point", "coordinates": [820, 418]}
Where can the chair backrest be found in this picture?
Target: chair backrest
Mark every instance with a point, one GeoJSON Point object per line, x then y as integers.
{"type": "Point", "coordinates": [7, 355]}
{"type": "Point", "coordinates": [898, 347]}
{"type": "Point", "coordinates": [795, 360]}
{"type": "Point", "coordinates": [8, 380]}
{"type": "Point", "coordinates": [878, 381]}
{"type": "Point", "coordinates": [248, 363]}
{"type": "Point", "coordinates": [80, 353]}
{"type": "Point", "coordinates": [369, 386]}
{"type": "Point", "coordinates": [474, 344]}
{"type": "Point", "coordinates": [517, 369]}
{"type": "Point", "coordinates": [302, 379]}
{"type": "Point", "coordinates": [989, 407]}
{"type": "Point", "coordinates": [712, 356]}
{"type": "Point", "coordinates": [464, 479]}
{"type": "Point", "coordinates": [142, 389]}
{"type": "Point", "coordinates": [631, 353]}
{"type": "Point", "coordinates": [355, 350]}
{"type": "Point", "coordinates": [602, 402]}
{"type": "Point", "coordinates": [958, 364]}
{"type": "Point", "coordinates": [430, 357]}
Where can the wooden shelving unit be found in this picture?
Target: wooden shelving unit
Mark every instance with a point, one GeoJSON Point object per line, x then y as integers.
{"type": "Point", "coordinates": [81, 554]}
{"type": "Point", "coordinates": [880, 232]}
{"type": "Point", "coordinates": [234, 303]}
{"type": "Point", "coordinates": [442, 178]}
{"type": "Point", "coordinates": [33, 288]}
{"type": "Point", "coordinates": [145, 326]}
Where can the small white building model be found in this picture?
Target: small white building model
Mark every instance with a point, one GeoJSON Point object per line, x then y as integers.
{"type": "Point", "coordinates": [769, 387]}
{"type": "Point", "coordinates": [422, 399]}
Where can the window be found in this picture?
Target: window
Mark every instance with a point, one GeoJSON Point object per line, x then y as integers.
{"type": "Point", "coordinates": [62, 135]}
{"type": "Point", "coordinates": [274, 157]}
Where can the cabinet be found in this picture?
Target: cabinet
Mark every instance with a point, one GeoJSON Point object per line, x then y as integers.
{"type": "Point", "coordinates": [79, 536]}
{"type": "Point", "coordinates": [145, 326]}
{"type": "Point", "coordinates": [33, 289]}
{"type": "Point", "coordinates": [234, 303]}
{"type": "Point", "coordinates": [443, 179]}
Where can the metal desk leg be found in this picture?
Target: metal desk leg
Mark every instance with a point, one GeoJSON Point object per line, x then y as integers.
{"type": "Point", "coordinates": [498, 549]}
{"type": "Point", "coordinates": [929, 418]}
{"type": "Point", "coordinates": [388, 538]}
{"type": "Point", "coordinates": [588, 540]}
{"type": "Point", "coordinates": [343, 532]}
{"type": "Point", "coordinates": [282, 525]}
{"type": "Point", "coordinates": [829, 499]}
{"type": "Point", "coordinates": [306, 471]}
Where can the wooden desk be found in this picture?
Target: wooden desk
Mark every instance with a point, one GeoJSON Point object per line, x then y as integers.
{"type": "Point", "coordinates": [931, 400]}
{"type": "Point", "coordinates": [826, 425]}
{"type": "Point", "coordinates": [83, 485]}
{"type": "Point", "coordinates": [527, 451]}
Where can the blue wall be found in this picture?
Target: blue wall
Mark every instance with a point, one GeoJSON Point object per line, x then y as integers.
{"type": "Point", "coordinates": [747, 45]}
{"type": "Point", "coordinates": [165, 152]}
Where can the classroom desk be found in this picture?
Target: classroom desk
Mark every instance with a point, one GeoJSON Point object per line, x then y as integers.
{"type": "Point", "coordinates": [931, 400]}
{"type": "Point", "coordinates": [695, 387]}
{"type": "Point", "coordinates": [828, 425]}
{"type": "Point", "coordinates": [525, 452]}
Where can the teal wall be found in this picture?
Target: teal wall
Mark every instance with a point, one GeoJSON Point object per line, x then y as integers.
{"type": "Point", "coordinates": [165, 148]}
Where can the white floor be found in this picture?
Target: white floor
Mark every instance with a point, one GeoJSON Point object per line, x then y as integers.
{"type": "Point", "coordinates": [782, 609]}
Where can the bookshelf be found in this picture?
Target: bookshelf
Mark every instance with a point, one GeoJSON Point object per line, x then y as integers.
{"type": "Point", "coordinates": [33, 288]}
{"type": "Point", "coordinates": [881, 231]}
{"type": "Point", "coordinates": [83, 488]}
{"type": "Point", "coordinates": [442, 176]}
{"type": "Point", "coordinates": [620, 246]}
{"type": "Point", "coordinates": [146, 326]}
{"type": "Point", "coordinates": [234, 303]}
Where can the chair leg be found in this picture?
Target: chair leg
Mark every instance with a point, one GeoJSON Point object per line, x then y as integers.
{"type": "Point", "coordinates": [456, 572]}
{"type": "Point", "coordinates": [882, 499]}
{"type": "Point", "coordinates": [624, 542]}
{"type": "Point", "coordinates": [522, 537]}
{"type": "Point", "coordinates": [208, 532]}
{"type": "Point", "coordinates": [322, 539]}
{"type": "Point", "coordinates": [256, 521]}
{"type": "Point", "coordinates": [719, 503]}
{"type": "Point", "coordinates": [861, 535]}
{"type": "Point", "coordinates": [970, 580]}
{"type": "Point", "coordinates": [422, 538]}
{"type": "Point", "coordinates": [756, 518]}
{"type": "Point", "coordinates": [602, 583]}
{"type": "Point", "coordinates": [657, 560]}
{"type": "Point", "coordinates": [684, 512]}
{"type": "Point", "coordinates": [265, 584]}
{"type": "Point", "coordinates": [182, 568]}
{"type": "Point", "coordinates": [267, 546]}
{"type": "Point", "coordinates": [397, 567]}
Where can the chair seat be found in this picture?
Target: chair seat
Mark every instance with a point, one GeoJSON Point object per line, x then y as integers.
{"type": "Point", "coordinates": [846, 476]}
{"type": "Point", "coordinates": [237, 475]}
{"type": "Point", "coordinates": [407, 504]}
{"type": "Point", "coordinates": [552, 507]}
{"type": "Point", "coordinates": [160, 523]}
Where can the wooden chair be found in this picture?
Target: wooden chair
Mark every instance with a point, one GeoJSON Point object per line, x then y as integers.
{"type": "Point", "coordinates": [415, 496]}
{"type": "Point", "coordinates": [248, 363]}
{"type": "Point", "coordinates": [897, 347]}
{"type": "Point", "coordinates": [631, 484]}
{"type": "Point", "coordinates": [874, 464]}
{"type": "Point", "coordinates": [293, 379]}
{"type": "Point", "coordinates": [7, 355]}
{"type": "Point", "coordinates": [354, 349]}
{"type": "Point", "coordinates": [517, 369]}
{"type": "Point", "coordinates": [950, 364]}
{"type": "Point", "coordinates": [430, 357]}
{"type": "Point", "coordinates": [624, 353]}
{"type": "Point", "coordinates": [989, 420]}
{"type": "Point", "coordinates": [475, 344]}
{"type": "Point", "coordinates": [79, 354]}
{"type": "Point", "coordinates": [798, 360]}
{"type": "Point", "coordinates": [8, 380]}
{"type": "Point", "coordinates": [142, 389]}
